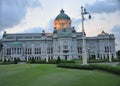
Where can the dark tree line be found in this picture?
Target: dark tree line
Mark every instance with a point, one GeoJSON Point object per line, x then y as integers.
{"type": "Point", "coordinates": [1, 46]}
{"type": "Point", "coordinates": [118, 54]}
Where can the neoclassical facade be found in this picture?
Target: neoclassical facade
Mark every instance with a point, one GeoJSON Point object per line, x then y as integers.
{"type": "Point", "coordinates": [64, 42]}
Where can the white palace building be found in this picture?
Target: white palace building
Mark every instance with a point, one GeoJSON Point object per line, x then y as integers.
{"type": "Point", "coordinates": [64, 42]}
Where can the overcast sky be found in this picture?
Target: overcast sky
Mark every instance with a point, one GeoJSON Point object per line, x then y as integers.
{"type": "Point", "coordinates": [32, 16]}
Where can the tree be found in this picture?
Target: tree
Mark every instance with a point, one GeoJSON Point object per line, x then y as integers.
{"type": "Point", "coordinates": [112, 56]}
{"type": "Point", "coordinates": [93, 57]}
{"type": "Point", "coordinates": [32, 60]}
{"type": "Point", "coordinates": [8, 60]}
{"type": "Point", "coordinates": [58, 60]}
{"type": "Point", "coordinates": [48, 58]}
{"type": "Point", "coordinates": [118, 54]}
{"type": "Point", "coordinates": [5, 60]}
{"type": "Point", "coordinates": [18, 59]}
{"type": "Point", "coordinates": [15, 61]}
{"type": "Point", "coordinates": [107, 56]}
{"type": "Point", "coordinates": [1, 46]}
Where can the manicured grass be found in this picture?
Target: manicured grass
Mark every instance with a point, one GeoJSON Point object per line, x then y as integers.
{"type": "Point", "coordinates": [50, 75]}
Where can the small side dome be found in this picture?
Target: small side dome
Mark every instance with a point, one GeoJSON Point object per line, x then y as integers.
{"type": "Point", "coordinates": [17, 43]}
{"type": "Point", "coordinates": [62, 15]}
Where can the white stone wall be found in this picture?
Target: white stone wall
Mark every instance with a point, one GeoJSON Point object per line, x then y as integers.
{"type": "Point", "coordinates": [56, 41]}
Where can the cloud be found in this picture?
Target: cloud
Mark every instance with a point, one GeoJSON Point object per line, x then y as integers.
{"type": "Point", "coordinates": [13, 11]}
{"type": "Point", "coordinates": [50, 26]}
{"type": "Point", "coordinates": [34, 30]}
{"type": "Point", "coordinates": [116, 31]}
{"type": "Point", "coordinates": [76, 22]}
{"type": "Point", "coordinates": [104, 6]}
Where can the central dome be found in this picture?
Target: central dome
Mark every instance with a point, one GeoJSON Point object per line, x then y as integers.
{"type": "Point", "coordinates": [62, 15]}
{"type": "Point", "coordinates": [62, 21]}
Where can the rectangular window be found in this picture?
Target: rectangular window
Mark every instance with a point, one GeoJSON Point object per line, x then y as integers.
{"type": "Point", "coordinates": [107, 49]}
{"type": "Point", "coordinates": [37, 50]}
{"type": "Point", "coordinates": [8, 51]}
{"type": "Point", "coordinates": [28, 51]}
{"type": "Point", "coordinates": [79, 49]}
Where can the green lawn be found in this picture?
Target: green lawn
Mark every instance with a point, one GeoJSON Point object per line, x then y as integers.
{"type": "Point", "coordinates": [50, 75]}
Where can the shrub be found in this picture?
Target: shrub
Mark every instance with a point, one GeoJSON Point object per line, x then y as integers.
{"type": "Point", "coordinates": [58, 60]}
{"type": "Point", "coordinates": [75, 66]}
{"type": "Point", "coordinates": [5, 63]}
{"type": "Point", "coordinates": [52, 61]}
{"type": "Point", "coordinates": [41, 61]}
{"type": "Point", "coordinates": [8, 60]}
{"type": "Point", "coordinates": [92, 57]}
{"type": "Point", "coordinates": [32, 60]}
{"type": "Point", "coordinates": [48, 58]}
{"type": "Point", "coordinates": [116, 60]}
{"type": "Point", "coordinates": [118, 64]}
{"type": "Point", "coordinates": [67, 61]}
{"type": "Point", "coordinates": [108, 68]}
{"type": "Point", "coordinates": [15, 61]}
{"type": "Point", "coordinates": [18, 59]}
{"type": "Point", "coordinates": [5, 60]}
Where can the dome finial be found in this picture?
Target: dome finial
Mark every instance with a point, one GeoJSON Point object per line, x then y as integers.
{"type": "Point", "coordinates": [62, 11]}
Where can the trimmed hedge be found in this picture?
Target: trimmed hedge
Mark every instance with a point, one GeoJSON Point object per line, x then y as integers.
{"type": "Point", "coordinates": [67, 61]}
{"type": "Point", "coordinates": [36, 62]}
{"type": "Point", "coordinates": [116, 60]}
{"type": "Point", "coordinates": [102, 60]}
{"type": "Point", "coordinates": [32, 61]}
{"type": "Point", "coordinates": [15, 61]}
{"type": "Point", "coordinates": [107, 68]}
{"type": "Point", "coordinates": [75, 66]}
{"type": "Point", "coordinates": [118, 64]}
{"type": "Point", "coordinates": [5, 63]}
{"type": "Point", "coordinates": [58, 60]}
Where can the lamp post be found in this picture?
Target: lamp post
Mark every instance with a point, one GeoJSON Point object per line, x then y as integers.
{"type": "Point", "coordinates": [89, 55]}
{"type": "Point", "coordinates": [84, 55]}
